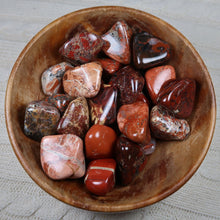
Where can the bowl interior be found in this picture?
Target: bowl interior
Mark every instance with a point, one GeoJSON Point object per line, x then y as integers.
{"type": "Point", "coordinates": [168, 168]}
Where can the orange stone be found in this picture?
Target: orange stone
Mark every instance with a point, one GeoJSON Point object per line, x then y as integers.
{"type": "Point", "coordinates": [156, 77]}
{"type": "Point", "coordinates": [99, 142]}
{"type": "Point", "coordinates": [133, 122]}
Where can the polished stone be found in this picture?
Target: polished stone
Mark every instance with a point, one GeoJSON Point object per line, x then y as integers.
{"type": "Point", "coordinates": [83, 47]}
{"type": "Point", "coordinates": [117, 42]}
{"type": "Point", "coordinates": [156, 77]}
{"type": "Point", "coordinates": [100, 176]}
{"type": "Point", "coordinates": [99, 142]}
{"type": "Point", "coordinates": [109, 66]}
{"type": "Point", "coordinates": [178, 96]}
{"type": "Point", "coordinates": [165, 126]}
{"type": "Point", "coordinates": [62, 156]}
{"type": "Point", "coordinates": [149, 51]}
{"type": "Point", "coordinates": [130, 159]}
{"type": "Point", "coordinates": [41, 119]}
{"type": "Point", "coordinates": [84, 80]}
{"type": "Point", "coordinates": [51, 79]}
{"type": "Point", "coordinates": [133, 122]}
{"type": "Point", "coordinates": [103, 107]}
{"type": "Point", "coordinates": [75, 119]}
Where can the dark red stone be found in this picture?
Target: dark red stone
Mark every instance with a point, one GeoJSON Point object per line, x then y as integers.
{"type": "Point", "coordinates": [178, 96]}
{"type": "Point", "coordinates": [141, 97]}
{"type": "Point", "coordinates": [61, 101]}
{"type": "Point", "coordinates": [103, 108]}
{"type": "Point", "coordinates": [129, 83]}
{"type": "Point", "coordinates": [149, 51]}
{"type": "Point", "coordinates": [117, 42]}
{"type": "Point", "coordinates": [130, 159]}
{"type": "Point", "coordinates": [100, 176]}
{"type": "Point", "coordinates": [82, 48]}
{"type": "Point", "coordinates": [109, 66]}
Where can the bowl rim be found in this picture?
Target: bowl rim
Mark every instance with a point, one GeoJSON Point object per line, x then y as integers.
{"type": "Point", "coordinates": [46, 187]}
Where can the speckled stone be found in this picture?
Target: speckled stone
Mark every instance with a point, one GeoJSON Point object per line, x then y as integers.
{"type": "Point", "coordinates": [75, 119]}
{"type": "Point", "coordinates": [41, 119]}
{"type": "Point", "coordinates": [82, 48]}
{"type": "Point", "coordinates": [103, 107]}
{"type": "Point", "coordinates": [62, 156]}
{"type": "Point", "coordinates": [165, 126]}
{"type": "Point", "coordinates": [130, 159]}
{"type": "Point", "coordinates": [133, 122]}
{"type": "Point", "coordinates": [84, 80]}
{"type": "Point", "coordinates": [117, 42]}
{"type": "Point", "coordinates": [60, 101]}
{"type": "Point", "coordinates": [51, 79]}
{"type": "Point", "coordinates": [100, 176]}
{"type": "Point", "coordinates": [129, 83]}
{"type": "Point", "coordinates": [178, 96]}
{"type": "Point", "coordinates": [149, 51]}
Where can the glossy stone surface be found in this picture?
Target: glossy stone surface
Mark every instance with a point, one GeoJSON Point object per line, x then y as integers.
{"type": "Point", "coordinates": [109, 66]}
{"type": "Point", "coordinates": [117, 42]}
{"type": "Point", "coordinates": [82, 48]}
{"type": "Point", "coordinates": [100, 176]}
{"type": "Point", "coordinates": [149, 51]}
{"type": "Point", "coordinates": [178, 96]}
{"type": "Point", "coordinates": [156, 77]}
{"type": "Point", "coordinates": [62, 156]}
{"type": "Point", "coordinates": [75, 119]}
{"type": "Point", "coordinates": [129, 83]}
{"type": "Point", "coordinates": [141, 97]}
{"type": "Point", "coordinates": [60, 101]}
{"type": "Point", "coordinates": [103, 107]}
{"type": "Point", "coordinates": [165, 126]}
{"type": "Point", "coordinates": [99, 142]}
{"type": "Point", "coordinates": [84, 80]}
{"type": "Point", "coordinates": [51, 79]}
{"type": "Point", "coordinates": [133, 122]}
{"type": "Point", "coordinates": [41, 119]}
{"type": "Point", "coordinates": [130, 159]}
{"type": "Point", "coordinates": [150, 147]}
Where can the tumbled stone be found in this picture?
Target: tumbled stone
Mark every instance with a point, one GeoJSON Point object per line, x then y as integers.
{"type": "Point", "coordinates": [75, 119]}
{"type": "Point", "coordinates": [103, 107]}
{"type": "Point", "coordinates": [41, 119]}
{"type": "Point", "coordinates": [117, 42]}
{"type": "Point", "coordinates": [141, 97]}
{"type": "Point", "coordinates": [100, 176]}
{"type": "Point", "coordinates": [156, 77]}
{"type": "Point", "coordinates": [130, 159]}
{"type": "Point", "coordinates": [60, 101]}
{"type": "Point", "coordinates": [149, 51]}
{"type": "Point", "coordinates": [178, 96]}
{"type": "Point", "coordinates": [165, 126]}
{"type": "Point", "coordinates": [62, 156]}
{"type": "Point", "coordinates": [133, 122]}
{"type": "Point", "coordinates": [129, 83]}
{"type": "Point", "coordinates": [109, 66]}
{"type": "Point", "coordinates": [51, 79]}
{"type": "Point", "coordinates": [99, 142]}
{"type": "Point", "coordinates": [82, 48]}
{"type": "Point", "coordinates": [84, 80]}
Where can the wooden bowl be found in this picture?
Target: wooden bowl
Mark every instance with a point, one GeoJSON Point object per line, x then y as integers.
{"type": "Point", "coordinates": [168, 168]}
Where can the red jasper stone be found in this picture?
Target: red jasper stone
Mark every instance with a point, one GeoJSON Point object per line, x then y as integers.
{"type": "Point", "coordinates": [61, 101]}
{"type": "Point", "coordinates": [75, 119]}
{"type": "Point", "coordinates": [178, 96]}
{"type": "Point", "coordinates": [117, 42]}
{"type": "Point", "coordinates": [103, 108]}
{"type": "Point", "coordinates": [99, 142]}
{"type": "Point", "coordinates": [129, 83]}
{"type": "Point", "coordinates": [100, 176]}
{"type": "Point", "coordinates": [165, 126]}
{"type": "Point", "coordinates": [149, 51]}
{"type": "Point", "coordinates": [109, 66]}
{"type": "Point", "coordinates": [156, 77]}
{"type": "Point", "coordinates": [82, 48]}
{"type": "Point", "coordinates": [130, 158]}
{"type": "Point", "coordinates": [141, 97]}
{"type": "Point", "coordinates": [133, 122]}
